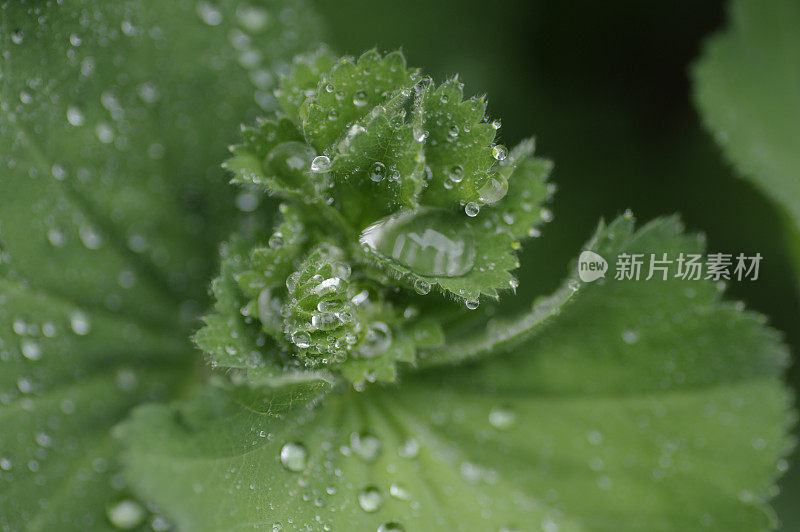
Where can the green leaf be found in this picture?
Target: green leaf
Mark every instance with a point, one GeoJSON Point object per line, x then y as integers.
{"type": "Point", "coordinates": [302, 79]}
{"type": "Point", "coordinates": [115, 116]}
{"type": "Point", "coordinates": [272, 156]}
{"type": "Point", "coordinates": [747, 87]}
{"type": "Point", "coordinates": [350, 91]}
{"type": "Point", "coordinates": [458, 146]}
{"type": "Point", "coordinates": [522, 211]}
{"type": "Point", "coordinates": [378, 166]}
{"type": "Point", "coordinates": [647, 405]}
{"type": "Point", "coordinates": [67, 374]}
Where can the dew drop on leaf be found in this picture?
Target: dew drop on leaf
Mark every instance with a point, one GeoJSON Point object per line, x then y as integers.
{"type": "Point", "coordinates": [370, 499]}
{"type": "Point", "coordinates": [31, 349]}
{"type": "Point", "coordinates": [472, 209]}
{"type": "Point", "coordinates": [409, 449]}
{"type": "Point", "coordinates": [377, 339]}
{"type": "Point", "coordinates": [365, 446]}
{"type": "Point", "coordinates": [320, 164]}
{"type": "Point", "coordinates": [472, 304]}
{"type": "Point", "coordinates": [499, 152]}
{"type": "Point", "coordinates": [422, 287]}
{"type": "Point", "coordinates": [126, 514]}
{"type": "Point", "coordinates": [428, 241]}
{"type": "Point", "coordinates": [399, 492]}
{"type": "Point", "coordinates": [80, 324]}
{"type": "Point", "coordinates": [75, 116]}
{"type": "Point", "coordinates": [360, 98]}
{"type": "Point", "coordinates": [502, 418]}
{"type": "Point", "coordinates": [294, 456]}
{"type": "Point", "coordinates": [378, 172]}
{"type": "Point", "coordinates": [495, 189]}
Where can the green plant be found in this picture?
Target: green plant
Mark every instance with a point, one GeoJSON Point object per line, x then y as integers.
{"type": "Point", "coordinates": [363, 375]}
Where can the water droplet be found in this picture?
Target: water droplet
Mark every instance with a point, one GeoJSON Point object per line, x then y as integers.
{"type": "Point", "coordinates": [294, 456]}
{"type": "Point", "coordinates": [499, 152]}
{"type": "Point", "coordinates": [75, 116]}
{"type": "Point", "coordinates": [104, 133]}
{"type": "Point", "coordinates": [456, 173]}
{"type": "Point", "coordinates": [5, 464]}
{"type": "Point", "coordinates": [247, 201]}
{"type": "Point", "coordinates": [495, 189]}
{"type": "Point", "coordinates": [366, 446]}
{"type": "Point", "coordinates": [399, 492]}
{"type": "Point", "coordinates": [252, 18]}
{"type": "Point", "coordinates": [56, 237]}
{"type": "Point", "coordinates": [59, 172]}
{"type": "Point", "coordinates": [630, 337]}
{"type": "Point", "coordinates": [80, 323]}
{"type": "Point", "coordinates": [90, 237]}
{"type": "Point", "coordinates": [422, 287]}
{"type": "Point", "coordinates": [209, 14]}
{"type": "Point", "coordinates": [17, 37]}
{"type": "Point", "coordinates": [502, 418]}
{"type": "Point", "coordinates": [430, 242]}
{"type": "Point", "coordinates": [289, 160]}
{"type": "Point", "coordinates": [301, 339]}
{"type": "Point", "coordinates": [320, 164]}
{"type": "Point", "coordinates": [472, 209]}
{"type": "Point", "coordinates": [378, 172]}
{"type": "Point", "coordinates": [360, 98]}
{"type": "Point", "coordinates": [392, 526]}
{"type": "Point", "coordinates": [370, 499]}
{"type": "Point", "coordinates": [31, 349]}
{"type": "Point", "coordinates": [409, 449]}
{"type": "Point", "coordinates": [472, 304]}
{"type": "Point", "coordinates": [377, 339]}
{"type": "Point", "coordinates": [126, 514]}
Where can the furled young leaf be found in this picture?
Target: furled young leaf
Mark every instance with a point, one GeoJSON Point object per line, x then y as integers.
{"type": "Point", "coordinates": [647, 405]}
{"type": "Point", "coordinates": [114, 117]}
{"type": "Point", "coordinates": [410, 165]}
{"type": "Point", "coordinates": [747, 87]}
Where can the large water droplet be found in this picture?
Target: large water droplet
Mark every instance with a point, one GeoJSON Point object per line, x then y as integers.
{"type": "Point", "coordinates": [430, 242]}
{"type": "Point", "coordinates": [377, 339]}
{"type": "Point", "coordinates": [495, 189]}
{"type": "Point", "coordinates": [370, 499]}
{"type": "Point", "coordinates": [320, 164]}
{"type": "Point", "coordinates": [126, 514]}
{"type": "Point", "coordinates": [294, 456]}
{"type": "Point", "coordinates": [289, 160]}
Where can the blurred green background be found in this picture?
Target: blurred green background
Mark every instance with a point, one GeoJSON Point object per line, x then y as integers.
{"type": "Point", "coordinates": [604, 87]}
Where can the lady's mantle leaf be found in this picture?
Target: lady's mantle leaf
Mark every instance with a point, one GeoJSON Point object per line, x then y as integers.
{"type": "Point", "coordinates": [646, 395]}
{"type": "Point", "coordinates": [113, 119]}
{"type": "Point", "coordinates": [747, 86]}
